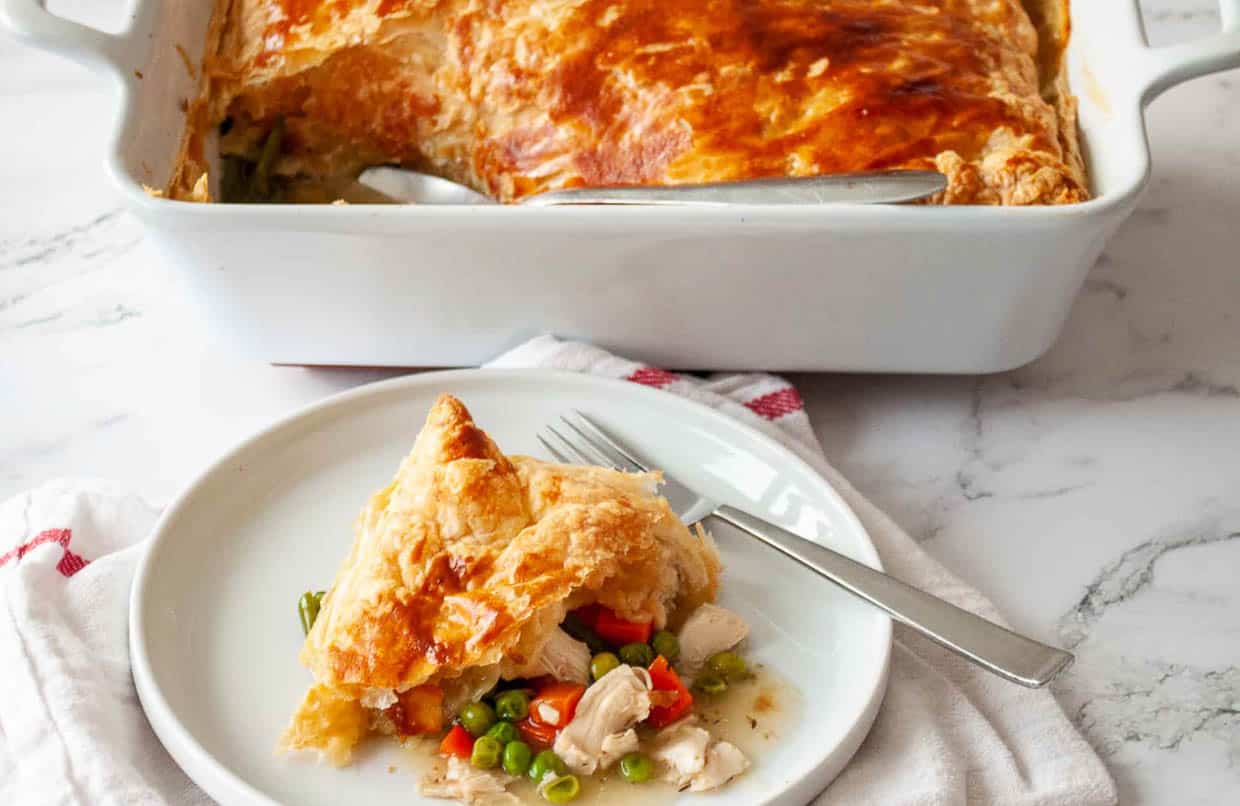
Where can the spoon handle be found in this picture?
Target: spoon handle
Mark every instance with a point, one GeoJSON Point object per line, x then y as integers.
{"type": "Point", "coordinates": [877, 187]}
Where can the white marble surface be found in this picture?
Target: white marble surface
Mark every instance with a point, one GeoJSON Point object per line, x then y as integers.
{"type": "Point", "coordinates": [1095, 495]}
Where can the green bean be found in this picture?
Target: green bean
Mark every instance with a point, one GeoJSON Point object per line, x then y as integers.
{"type": "Point", "coordinates": [476, 717]}
{"type": "Point", "coordinates": [636, 768]}
{"type": "Point", "coordinates": [666, 644]}
{"type": "Point", "coordinates": [562, 789]}
{"type": "Point", "coordinates": [602, 663]}
{"type": "Point", "coordinates": [637, 655]}
{"type": "Point", "coordinates": [517, 758]}
{"type": "Point", "coordinates": [487, 750]}
{"type": "Point", "coordinates": [512, 705]}
{"type": "Point", "coordinates": [546, 762]}
{"type": "Point", "coordinates": [503, 732]}
{"type": "Point", "coordinates": [710, 683]}
{"type": "Point", "coordinates": [308, 609]}
{"type": "Point", "coordinates": [728, 665]}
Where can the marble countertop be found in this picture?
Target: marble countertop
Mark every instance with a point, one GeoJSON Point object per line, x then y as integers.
{"type": "Point", "coordinates": [1094, 495]}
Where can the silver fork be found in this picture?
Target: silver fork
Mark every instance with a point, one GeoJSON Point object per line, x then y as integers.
{"type": "Point", "coordinates": [997, 649]}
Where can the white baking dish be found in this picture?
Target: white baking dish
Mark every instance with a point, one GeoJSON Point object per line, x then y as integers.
{"type": "Point", "coordinates": [846, 288]}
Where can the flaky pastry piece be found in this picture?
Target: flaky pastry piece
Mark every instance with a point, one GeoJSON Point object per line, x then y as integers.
{"type": "Point", "coordinates": [516, 97]}
{"type": "Point", "coordinates": [462, 568]}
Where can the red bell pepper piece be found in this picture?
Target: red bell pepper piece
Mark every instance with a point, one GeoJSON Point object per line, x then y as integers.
{"type": "Point", "coordinates": [664, 678]}
{"type": "Point", "coordinates": [619, 632]}
{"type": "Point", "coordinates": [536, 733]}
{"type": "Point", "coordinates": [457, 743]}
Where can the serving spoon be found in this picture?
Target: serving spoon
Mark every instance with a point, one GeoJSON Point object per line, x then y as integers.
{"type": "Point", "coordinates": [874, 187]}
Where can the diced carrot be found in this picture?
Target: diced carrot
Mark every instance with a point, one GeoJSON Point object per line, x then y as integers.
{"type": "Point", "coordinates": [536, 733]}
{"type": "Point", "coordinates": [663, 678]}
{"type": "Point", "coordinates": [555, 703]}
{"type": "Point", "coordinates": [457, 743]}
{"type": "Point", "coordinates": [620, 631]}
{"type": "Point", "coordinates": [418, 710]}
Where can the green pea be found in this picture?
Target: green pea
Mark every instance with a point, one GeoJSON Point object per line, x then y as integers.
{"type": "Point", "coordinates": [546, 762]}
{"type": "Point", "coordinates": [636, 768]}
{"type": "Point", "coordinates": [503, 732]}
{"type": "Point", "coordinates": [476, 717]}
{"type": "Point", "coordinates": [602, 663]}
{"type": "Point", "coordinates": [562, 789]}
{"type": "Point", "coordinates": [308, 609]}
{"type": "Point", "coordinates": [710, 683]}
{"type": "Point", "coordinates": [728, 665]}
{"type": "Point", "coordinates": [637, 654]}
{"type": "Point", "coordinates": [487, 750]}
{"type": "Point", "coordinates": [517, 758]}
{"type": "Point", "coordinates": [512, 706]}
{"type": "Point", "coordinates": [666, 644]}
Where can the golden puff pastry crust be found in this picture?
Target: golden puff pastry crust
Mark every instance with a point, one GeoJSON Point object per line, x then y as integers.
{"type": "Point", "coordinates": [516, 97]}
{"type": "Point", "coordinates": [464, 565]}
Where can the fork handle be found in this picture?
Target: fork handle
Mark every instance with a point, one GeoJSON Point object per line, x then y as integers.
{"type": "Point", "coordinates": [1014, 657]}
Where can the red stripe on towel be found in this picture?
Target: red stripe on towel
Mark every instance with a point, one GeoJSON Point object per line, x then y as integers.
{"type": "Point", "coordinates": [70, 563]}
{"type": "Point", "coordinates": [774, 405]}
{"type": "Point", "coordinates": [653, 376]}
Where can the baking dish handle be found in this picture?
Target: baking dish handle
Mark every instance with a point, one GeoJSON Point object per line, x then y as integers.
{"type": "Point", "coordinates": [31, 22]}
{"type": "Point", "coordinates": [1174, 64]}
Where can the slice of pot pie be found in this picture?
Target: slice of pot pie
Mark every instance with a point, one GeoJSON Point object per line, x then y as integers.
{"type": "Point", "coordinates": [516, 97]}
{"type": "Point", "coordinates": [521, 613]}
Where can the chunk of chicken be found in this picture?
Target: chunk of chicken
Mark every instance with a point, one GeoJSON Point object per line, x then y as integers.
{"type": "Point", "coordinates": [461, 781]}
{"type": "Point", "coordinates": [617, 746]}
{"type": "Point", "coordinates": [688, 758]}
{"type": "Point", "coordinates": [724, 761]}
{"type": "Point", "coordinates": [708, 630]}
{"type": "Point", "coordinates": [563, 657]}
{"type": "Point", "coordinates": [613, 705]}
{"type": "Point", "coordinates": [680, 751]}
{"type": "Point", "coordinates": [469, 686]}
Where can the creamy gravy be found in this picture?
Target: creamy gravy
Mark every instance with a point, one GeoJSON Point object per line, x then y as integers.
{"type": "Point", "coordinates": [753, 715]}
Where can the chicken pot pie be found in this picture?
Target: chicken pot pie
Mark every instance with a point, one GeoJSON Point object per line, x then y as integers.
{"type": "Point", "coordinates": [542, 622]}
{"type": "Point", "coordinates": [517, 97]}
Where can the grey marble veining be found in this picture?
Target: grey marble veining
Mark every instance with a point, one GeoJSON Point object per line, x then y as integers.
{"type": "Point", "coordinates": [1094, 495]}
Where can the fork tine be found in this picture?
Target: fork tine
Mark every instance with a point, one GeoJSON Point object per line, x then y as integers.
{"type": "Point", "coordinates": [611, 442]}
{"type": "Point", "coordinates": [582, 456]}
{"type": "Point", "coordinates": [605, 447]}
{"type": "Point", "coordinates": [554, 451]}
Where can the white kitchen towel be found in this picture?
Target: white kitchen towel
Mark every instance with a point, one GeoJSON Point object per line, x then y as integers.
{"type": "Point", "coordinates": [71, 729]}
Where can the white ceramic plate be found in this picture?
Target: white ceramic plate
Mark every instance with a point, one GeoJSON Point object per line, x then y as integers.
{"type": "Point", "coordinates": [213, 626]}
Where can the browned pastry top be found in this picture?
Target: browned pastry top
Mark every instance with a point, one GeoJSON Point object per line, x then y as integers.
{"type": "Point", "coordinates": [520, 96]}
